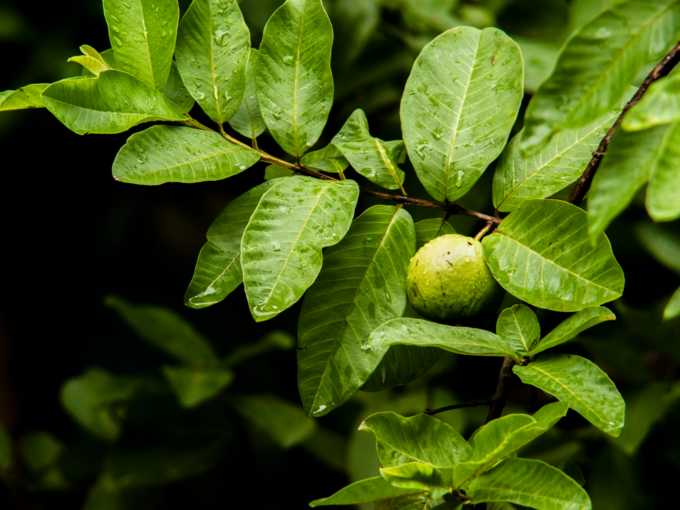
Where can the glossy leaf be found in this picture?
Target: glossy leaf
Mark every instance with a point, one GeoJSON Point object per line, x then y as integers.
{"type": "Point", "coordinates": [663, 193]}
{"type": "Point", "coordinates": [95, 66]}
{"type": "Point", "coordinates": [142, 34]}
{"type": "Point", "coordinates": [329, 159]}
{"type": "Point", "coordinates": [400, 365]}
{"type": "Point", "coordinates": [672, 309]}
{"type": "Point", "coordinates": [180, 154]}
{"type": "Point", "coordinates": [294, 79]}
{"type": "Point", "coordinates": [283, 422]}
{"type": "Point", "coordinates": [596, 67]}
{"type": "Point", "coordinates": [112, 103]}
{"type": "Point", "coordinates": [195, 386]}
{"type": "Point", "coordinates": [176, 91]}
{"type": "Point", "coordinates": [541, 254]}
{"type": "Point", "coordinates": [373, 158]}
{"type": "Point", "coordinates": [422, 333]}
{"type": "Point", "coordinates": [23, 98]}
{"type": "Point", "coordinates": [519, 327]}
{"type": "Point", "coordinates": [421, 438]}
{"type": "Point", "coordinates": [248, 118]}
{"type": "Point", "coordinates": [362, 284]}
{"type": "Point", "coordinates": [458, 107]}
{"type": "Point", "coordinates": [582, 385]}
{"type": "Point", "coordinates": [218, 269]}
{"type": "Point", "coordinates": [281, 247]}
{"type": "Point", "coordinates": [659, 105]}
{"type": "Point", "coordinates": [364, 491]}
{"type": "Point", "coordinates": [557, 165]}
{"type": "Point", "coordinates": [416, 475]}
{"type": "Point", "coordinates": [529, 483]}
{"type": "Point", "coordinates": [213, 44]}
{"type": "Point", "coordinates": [426, 230]}
{"type": "Point", "coordinates": [165, 330]}
{"type": "Point", "coordinates": [574, 325]}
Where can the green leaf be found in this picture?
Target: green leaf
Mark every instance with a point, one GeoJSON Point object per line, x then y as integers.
{"type": "Point", "coordinates": [373, 158]}
{"type": "Point", "coordinates": [458, 107]}
{"type": "Point", "coordinates": [248, 119]}
{"type": "Point", "coordinates": [423, 333]}
{"type": "Point", "coordinates": [143, 34]}
{"type": "Point", "coordinates": [659, 105]}
{"type": "Point", "coordinates": [213, 44]}
{"type": "Point", "coordinates": [165, 330]}
{"type": "Point", "coordinates": [23, 98]}
{"type": "Point", "coordinates": [176, 92]}
{"type": "Point", "coordinates": [354, 22]}
{"type": "Point", "coordinates": [194, 386]}
{"type": "Point", "coordinates": [597, 65]}
{"type": "Point", "coordinates": [541, 254]}
{"type": "Point", "coordinates": [329, 159]}
{"type": "Point", "coordinates": [275, 172]}
{"type": "Point", "coordinates": [94, 65]}
{"type": "Point", "coordinates": [519, 328]}
{"type": "Point", "coordinates": [426, 230]}
{"type": "Point", "coordinates": [40, 450]}
{"type": "Point", "coordinates": [557, 165]}
{"type": "Point", "coordinates": [364, 491]}
{"type": "Point", "coordinates": [574, 325]}
{"type": "Point", "coordinates": [582, 385]}
{"type": "Point", "coordinates": [112, 103]}
{"type": "Point", "coordinates": [6, 455]}
{"type": "Point", "coordinates": [282, 421]}
{"type": "Point", "coordinates": [539, 61]}
{"type": "Point", "coordinates": [503, 437]}
{"type": "Point", "coordinates": [401, 364]}
{"type": "Point", "coordinates": [180, 154]}
{"type": "Point", "coordinates": [421, 438]}
{"type": "Point", "coordinates": [362, 284]}
{"type": "Point", "coordinates": [281, 247]}
{"type": "Point", "coordinates": [294, 79]}
{"type": "Point", "coordinates": [672, 309]}
{"type": "Point", "coordinates": [662, 243]}
{"type": "Point", "coordinates": [663, 193]}
{"type": "Point", "coordinates": [529, 483]}
{"type": "Point", "coordinates": [272, 341]}
{"type": "Point", "coordinates": [107, 56]}
{"type": "Point", "coordinates": [415, 475]}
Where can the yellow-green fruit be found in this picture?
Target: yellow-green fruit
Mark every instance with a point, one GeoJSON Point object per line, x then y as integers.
{"type": "Point", "coordinates": [448, 280]}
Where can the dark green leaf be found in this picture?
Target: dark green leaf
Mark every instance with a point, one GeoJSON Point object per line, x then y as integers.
{"type": "Point", "coordinates": [194, 386]}
{"type": "Point", "coordinates": [401, 364]}
{"type": "Point", "coordinates": [364, 491]}
{"type": "Point", "coordinates": [519, 327]}
{"type": "Point", "coordinates": [415, 475]}
{"type": "Point", "coordinates": [426, 230]}
{"type": "Point", "coordinates": [275, 172]}
{"type": "Point", "coordinates": [272, 341]}
{"type": "Point", "coordinates": [248, 119]}
{"type": "Point", "coordinates": [672, 309]}
{"type": "Point", "coordinates": [659, 105]}
{"type": "Point", "coordinates": [458, 107]}
{"type": "Point", "coordinates": [176, 92]}
{"type": "Point", "coordinates": [354, 22]}
{"type": "Point", "coordinates": [328, 446]}
{"type": "Point", "coordinates": [574, 325]}
{"type": "Point", "coordinates": [663, 193]}
{"type": "Point", "coordinates": [661, 242]}
{"type": "Point", "coordinates": [328, 159]}
{"type": "Point", "coordinates": [539, 61]}
{"type": "Point", "coordinates": [40, 450]}
{"type": "Point", "coordinates": [23, 98]}
{"type": "Point", "coordinates": [582, 385]}
{"type": "Point", "coordinates": [541, 253]}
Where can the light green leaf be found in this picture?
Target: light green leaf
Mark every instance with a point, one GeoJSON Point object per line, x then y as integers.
{"type": "Point", "coordinates": [663, 193]}
{"type": "Point", "coordinates": [283, 422]}
{"type": "Point", "coordinates": [597, 65]}
{"type": "Point", "coordinates": [281, 247]}
{"type": "Point", "coordinates": [329, 159]}
{"type": "Point", "coordinates": [458, 107]}
{"type": "Point", "coordinates": [165, 330]}
{"type": "Point", "coordinates": [218, 269]}
{"type": "Point", "coordinates": [373, 158]}
{"type": "Point", "coordinates": [625, 168]}
{"type": "Point", "coordinates": [248, 119]}
{"type": "Point", "coordinates": [23, 98]}
{"type": "Point", "coordinates": [94, 65]}
{"type": "Point", "coordinates": [176, 92]}
{"type": "Point", "coordinates": [672, 309]}
{"type": "Point", "coordinates": [273, 341]}
{"type": "Point", "coordinates": [541, 254]}
{"type": "Point", "coordinates": [539, 61]}
{"type": "Point", "coordinates": [402, 364]}
{"type": "Point", "coordinates": [143, 34]}
{"type": "Point", "coordinates": [180, 154]}
{"type": "Point", "coordinates": [557, 165]}
{"type": "Point", "coordinates": [294, 79]}
{"type": "Point", "coordinates": [529, 483]}
{"type": "Point", "coordinates": [426, 230]}
{"type": "Point", "coordinates": [519, 328]}
{"type": "Point", "coordinates": [213, 44]}
{"type": "Point", "coordinates": [415, 475]}
{"type": "Point", "coordinates": [422, 333]}
{"type": "Point", "coordinates": [582, 385]}
{"type": "Point", "coordinates": [662, 243]}
{"type": "Point", "coordinates": [194, 386]}
{"type": "Point", "coordinates": [421, 438]}
{"type": "Point", "coordinates": [275, 172]}
{"type": "Point", "coordinates": [364, 491]}
{"type": "Point", "coordinates": [107, 56]}
{"type": "Point", "coordinates": [362, 284]}
{"type": "Point", "coordinates": [659, 105]}
{"type": "Point", "coordinates": [574, 325]}
{"type": "Point", "coordinates": [112, 103]}
{"type": "Point", "coordinates": [503, 437]}
{"type": "Point", "coordinates": [6, 455]}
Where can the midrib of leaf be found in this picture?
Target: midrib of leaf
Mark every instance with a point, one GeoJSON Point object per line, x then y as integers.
{"type": "Point", "coordinates": [214, 71]}
{"type": "Point", "coordinates": [521, 333]}
{"type": "Point", "coordinates": [568, 390]}
{"type": "Point", "coordinates": [388, 164]}
{"type": "Point", "coordinates": [212, 282]}
{"type": "Point", "coordinates": [515, 491]}
{"type": "Point", "coordinates": [351, 302]}
{"type": "Point", "coordinates": [191, 162]}
{"type": "Point", "coordinates": [146, 40]}
{"type": "Point", "coordinates": [295, 81]}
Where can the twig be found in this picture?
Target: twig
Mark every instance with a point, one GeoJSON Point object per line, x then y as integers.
{"type": "Point", "coordinates": [485, 230]}
{"type": "Point", "coordinates": [661, 70]}
{"type": "Point", "coordinates": [485, 402]}
{"type": "Point", "coordinates": [498, 399]}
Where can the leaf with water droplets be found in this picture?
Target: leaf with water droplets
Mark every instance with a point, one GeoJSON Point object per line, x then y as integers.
{"type": "Point", "coordinates": [176, 92]}
{"type": "Point", "coordinates": [429, 229]}
{"type": "Point", "coordinates": [213, 46]}
{"type": "Point", "coordinates": [294, 79]}
{"type": "Point", "coordinates": [142, 34]}
{"type": "Point", "coordinates": [281, 247]}
{"type": "Point", "coordinates": [329, 159]}
{"type": "Point", "coordinates": [519, 327]}
{"type": "Point", "coordinates": [248, 119]}
{"type": "Point", "coordinates": [23, 98]}
{"type": "Point", "coordinates": [361, 285]}
{"type": "Point", "coordinates": [458, 107]}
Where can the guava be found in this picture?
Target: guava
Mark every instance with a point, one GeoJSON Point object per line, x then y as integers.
{"type": "Point", "coordinates": [448, 280]}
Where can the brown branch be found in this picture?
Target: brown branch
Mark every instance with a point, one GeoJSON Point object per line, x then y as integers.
{"type": "Point", "coordinates": [661, 70]}
{"type": "Point", "coordinates": [485, 402]}
{"type": "Point", "coordinates": [498, 398]}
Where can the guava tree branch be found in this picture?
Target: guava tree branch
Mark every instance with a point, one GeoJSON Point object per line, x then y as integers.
{"type": "Point", "coordinates": [485, 402]}
{"type": "Point", "coordinates": [662, 69]}
{"type": "Point", "coordinates": [498, 398]}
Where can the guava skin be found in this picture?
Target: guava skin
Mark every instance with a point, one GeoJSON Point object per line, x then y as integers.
{"type": "Point", "coordinates": [448, 280]}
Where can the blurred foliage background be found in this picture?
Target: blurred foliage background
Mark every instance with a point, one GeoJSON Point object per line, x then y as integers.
{"type": "Point", "coordinates": [89, 419]}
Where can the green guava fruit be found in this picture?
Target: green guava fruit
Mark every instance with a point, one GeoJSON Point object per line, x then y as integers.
{"type": "Point", "coordinates": [448, 280]}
